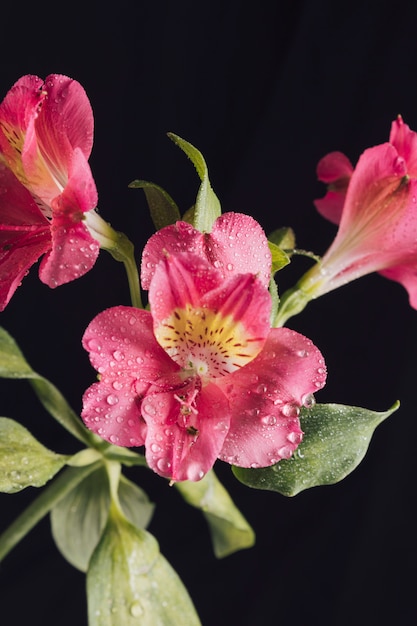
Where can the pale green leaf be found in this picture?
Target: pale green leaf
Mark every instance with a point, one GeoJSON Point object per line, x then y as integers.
{"type": "Point", "coordinates": [12, 362]}
{"type": "Point", "coordinates": [78, 519]}
{"type": "Point", "coordinates": [14, 365]}
{"type": "Point", "coordinates": [207, 207]}
{"type": "Point", "coordinates": [336, 438]}
{"type": "Point", "coordinates": [129, 582]}
{"type": "Point", "coordinates": [24, 462]}
{"type": "Point", "coordinates": [46, 499]}
{"type": "Point", "coordinates": [229, 530]}
{"type": "Point", "coordinates": [162, 207]}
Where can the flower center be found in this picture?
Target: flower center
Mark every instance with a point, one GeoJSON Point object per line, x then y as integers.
{"type": "Point", "coordinates": [207, 342]}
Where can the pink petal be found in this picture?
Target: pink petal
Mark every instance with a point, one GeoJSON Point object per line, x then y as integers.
{"type": "Point", "coordinates": [237, 244]}
{"type": "Point", "coordinates": [121, 339]}
{"type": "Point", "coordinates": [336, 170]}
{"type": "Point", "coordinates": [265, 397]}
{"type": "Point", "coordinates": [17, 117]}
{"type": "Point", "coordinates": [24, 234]}
{"type": "Point", "coordinates": [111, 410]}
{"type": "Point", "coordinates": [64, 124]}
{"type": "Point", "coordinates": [405, 142]}
{"type": "Point", "coordinates": [181, 446]}
{"type": "Point", "coordinates": [123, 349]}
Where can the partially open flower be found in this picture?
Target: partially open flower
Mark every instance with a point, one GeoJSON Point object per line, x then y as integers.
{"type": "Point", "coordinates": [378, 221]}
{"type": "Point", "coordinates": [47, 192]}
{"type": "Point", "coordinates": [202, 375]}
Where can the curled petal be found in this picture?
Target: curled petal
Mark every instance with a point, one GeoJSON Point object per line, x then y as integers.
{"type": "Point", "coordinates": [405, 142]}
{"type": "Point", "coordinates": [266, 396]}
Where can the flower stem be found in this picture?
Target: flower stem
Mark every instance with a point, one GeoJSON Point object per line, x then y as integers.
{"type": "Point", "coordinates": [121, 249]}
{"type": "Point", "coordinates": [295, 300]}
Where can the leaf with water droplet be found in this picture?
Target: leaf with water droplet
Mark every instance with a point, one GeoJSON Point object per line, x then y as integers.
{"type": "Point", "coordinates": [129, 582]}
{"type": "Point", "coordinates": [207, 207]}
{"type": "Point", "coordinates": [24, 462]}
{"type": "Point", "coordinates": [229, 530]}
{"type": "Point", "coordinates": [78, 520]}
{"type": "Point", "coordinates": [162, 207]}
{"type": "Point", "coordinates": [336, 438]}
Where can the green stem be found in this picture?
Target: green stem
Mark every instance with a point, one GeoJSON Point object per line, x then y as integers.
{"type": "Point", "coordinates": [42, 505]}
{"type": "Point", "coordinates": [295, 300]}
{"type": "Point", "coordinates": [121, 249]}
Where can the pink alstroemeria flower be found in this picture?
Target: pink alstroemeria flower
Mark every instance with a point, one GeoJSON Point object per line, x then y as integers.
{"type": "Point", "coordinates": [48, 194]}
{"type": "Point", "coordinates": [236, 244]}
{"type": "Point", "coordinates": [202, 375]}
{"type": "Point", "coordinates": [376, 213]}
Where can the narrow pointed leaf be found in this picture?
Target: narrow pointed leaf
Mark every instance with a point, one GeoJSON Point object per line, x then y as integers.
{"type": "Point", "coordinates": [336, 438]}
{"type": "Point", "coordinates": [24, 462]}
{"type": "Point", "coordinates": [14, 365]}
{"type": "Point", "coordinates": [207, 207]}
{"type": "Point", "coordinates": [229, 530]}
{"type": "Point", "coordinates": [129, 582]}
{"type": "Point", "coordinates": [162, 207]}
{"type": "Point", "coordinates": [78, 519]}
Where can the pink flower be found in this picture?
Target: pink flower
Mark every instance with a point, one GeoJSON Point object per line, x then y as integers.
{"type": "Point", "coordinates": [376, 213]}
{"type": "Point", "coordinates": [202, 376]}
{"type": "Point", "coordinates": [236, 244]}
{"type": "Point", "coordinates": [48, 192]}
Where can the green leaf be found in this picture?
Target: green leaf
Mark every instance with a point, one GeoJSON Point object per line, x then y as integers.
{"type": "Point", "coordinates": [24, 462]}
{"type": "Point", "coordinates": [129, 582]}
{"type": "Point", "coordinates": [279, 258]}
{"type": "Point", "coordinates": [12, 362]}
{"type": "Point", "coordinates": [229, 530]}
{"type": "Point", "coordinates": [14, 365]}
{"type": "Point", "coordinates": [336, 438]}
{"type": "Point", "coordinates": [78, 519]}
{"type": "Point", "coordinates": [42, 505]}
{"type": "Point", "coordinates": [207, 206]}
{"type": "Point", "coordinates": [162, 207]}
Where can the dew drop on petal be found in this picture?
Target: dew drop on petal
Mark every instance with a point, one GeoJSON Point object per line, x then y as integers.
{"type": "Point", "coordinates": [295, 437]}
{"type": "Point", "coordinates": [163, 465]}
{"type": "Point", "coordinates": [291, 410]}
{"type": "Point", "coordinates": [285, 452]}
{"type": "Point", "coordinates": [308, 400]}
{"type": "Point", "coordinates": [269, 420]}
{"type": "Point", "coordinates": [112, 399]}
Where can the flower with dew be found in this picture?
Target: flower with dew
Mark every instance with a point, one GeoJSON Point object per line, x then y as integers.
{"type": "Point", "coordinates": [374, 205]}
{"type": "Point", "coordinates": [47, 192]}
{"type": "Point", "coordinates": [201, 375]}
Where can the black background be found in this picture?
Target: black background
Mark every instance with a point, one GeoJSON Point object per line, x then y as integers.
{"type": "Point", "coordinates": [264, 90]}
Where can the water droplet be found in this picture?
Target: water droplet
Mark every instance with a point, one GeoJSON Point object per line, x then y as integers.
{"type": "Point", "coordinates": [308, 400]}
{"type": "Point", "coordinates": [155, 447]}
{"type": "Point", "coordinates": [136, 609]}
{"type": "Point", "coordinates": [229, 266]}
{"type": "Point", "coordinates": [285, 452]}
{"type": "Point", "coordinates": [269, 420]}
{"type": "Point", "coordinates": [112, 399]}
{"type": "Point", "coordinates": [118, 355]}
{"type": "Point", "coordinates": [295, 437]}
{"type": "Point", "coordinates": [163, 465]}
{"type": "Point", "coordinates": [114, 438]}
{"type": "Point", "coordinates": [302, 353]}
{"type": "Point", "coordinates": [291, 410]}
